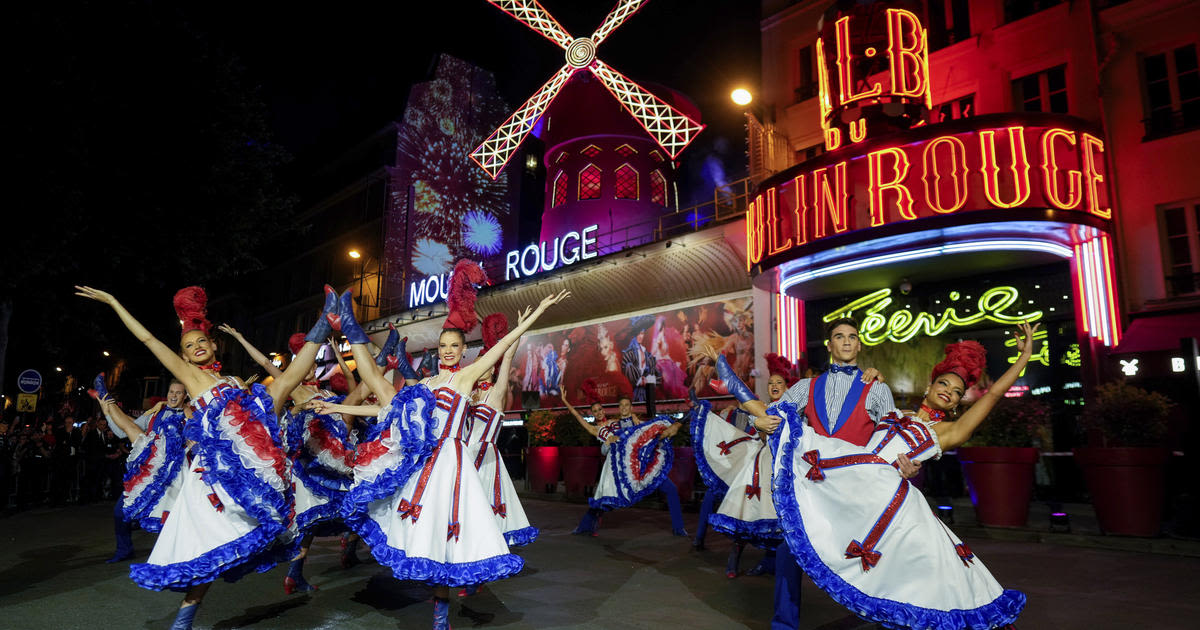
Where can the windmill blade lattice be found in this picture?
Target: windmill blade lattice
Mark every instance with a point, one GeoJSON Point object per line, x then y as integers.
{"type": "Point", "coordinates": [671, 129]}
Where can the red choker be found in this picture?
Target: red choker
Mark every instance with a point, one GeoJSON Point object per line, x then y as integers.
{"type": "Point", "coordinates": [484, 386]}
{"type": "Point", "coordinates": [313, 384]}
{"type": "Point", "coordinates": [215, 366]}
{"type": "Point", "coordinates": [448, 368]}
{"type": "Point", "coordinates": [935, 415]}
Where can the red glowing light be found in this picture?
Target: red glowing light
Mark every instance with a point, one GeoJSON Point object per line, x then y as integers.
{"type": "Point", "coordinates": [933, 191]}
{"type": "Point", "coordinates": [878, 186]}
{"type": "Point", "coordinates": [1019, 167]}
{"type": "Point", "coordinates": [1050, 171]}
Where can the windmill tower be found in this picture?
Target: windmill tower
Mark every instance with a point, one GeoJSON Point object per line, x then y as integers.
{"type": "Point", "coordinates": [609, 158]}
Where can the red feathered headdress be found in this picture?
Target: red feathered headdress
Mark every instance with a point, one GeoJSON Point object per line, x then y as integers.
{"type": "Point", "coordinates": [495, 326]}
{"type": "Point", "coordinates": [966, 359]}
{"type": "Point", "coordinates": [338, 384]}
{"type": "Point", "coordinates": [778, 364]}
{"type": "Point", "coordinates": [295, 342]}
{"type": "Point", "coordinates": [461, 299]}
{"type": "Point", "coordinates": [191, 305]}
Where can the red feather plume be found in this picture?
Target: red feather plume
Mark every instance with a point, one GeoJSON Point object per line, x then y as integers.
{"type": "Point", "coordinates": [296, 342]}
{"type": "Point", "coordinates": [495, 326]}
{"type": "Point", "coordinates": [461, 298]}
{"type": "Point", "coordinates": [967, 359]}
{"type": "Point", "coordinates": [778, 364]}
{"type": "Point", "coordinates": [338, 384]}
{"type": "Point", "coordinates": [191, 305]}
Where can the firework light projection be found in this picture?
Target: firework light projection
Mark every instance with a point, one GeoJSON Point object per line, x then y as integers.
{"type": "Point", "coordinates": [671, 129]}
{"type": "Point", "coordinates": [481, 233]}
{"type": "Point", "coordinates": [447, 208]}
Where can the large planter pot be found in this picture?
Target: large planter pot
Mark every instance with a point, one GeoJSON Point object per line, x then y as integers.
{"type": "Point", "coordinates": [683, 472]}
{"type": "Point", "coordinates": [1127, 487]}
{"type": "Point", "coordinates": [543, 465]}
{"type": "Point", "coordinates": [1000, 479]}
{"type": "Point", "coordinates": [580, 468]}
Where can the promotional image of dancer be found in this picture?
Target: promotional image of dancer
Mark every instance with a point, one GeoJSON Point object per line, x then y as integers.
{"type": "Point", "coordinates": [232, 514]}
{"type": "Point", "coordinates": [420, 512]}
{"type": "Point", "coordinates": [151, 477]}
{"type": "Point", "coordinates": [856, 528]}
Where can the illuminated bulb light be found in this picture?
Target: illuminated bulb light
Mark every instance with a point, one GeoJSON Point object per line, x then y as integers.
{"type": "Point", "coordinates": [741, 96]}
{"type": "Point", "coordinates": [1062, 251]}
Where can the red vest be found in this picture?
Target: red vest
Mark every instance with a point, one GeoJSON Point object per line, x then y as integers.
{"type": "Point", "coordinates": [859, 426]}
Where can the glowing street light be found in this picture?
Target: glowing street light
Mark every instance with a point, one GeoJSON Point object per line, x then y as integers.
{"type": "Point", "coordinates": [741, 96]}
{"type": "Point", "coordinates": [354, 253]}
{"type": "Point", "coordinates": [57, 369]}
{"type": "Point", "coordinates": [106, 353]}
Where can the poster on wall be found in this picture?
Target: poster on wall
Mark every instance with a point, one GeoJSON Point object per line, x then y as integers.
{"type": "Point", "coordinates": [607, 360]}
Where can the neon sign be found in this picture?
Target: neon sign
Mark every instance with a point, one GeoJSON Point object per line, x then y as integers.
{"type": "Point", "coordinates": [902, 325]}
{"type": "Point", "coordinates": [931, 173]}
{"type": "Point", "coordinates": [1041, 356]}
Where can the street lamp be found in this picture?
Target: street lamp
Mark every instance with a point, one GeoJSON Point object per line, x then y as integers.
{"type": "Point", "coordinates": [741, 96]}
{"type": "Point", "coordinates": [106, 353]}
{"type": "Point", "coordinates": [354, 253]}
{"type": "Point", "coordinates": [57, 369]}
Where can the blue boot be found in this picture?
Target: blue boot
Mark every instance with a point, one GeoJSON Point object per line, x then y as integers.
{"type": "Point", "coordinates": [320, 330]}
{"type": "Point", "coordinates": [766, 566]}
{"type": "Point", "coordinates": [295, 582]}
{"type": "Point", "coordinates": [441, 614]}
{"type": "Point", "coordinates": [405, 366]}
{"type": "Point", "coordinates": [469, 591]}
{"type": "Point", "coordinates": [735, 559]}
{"type": "Point", "coordinates": [343, 320]}
{"type": "Point", "coordinates": [185, 617]}
{"type": "Point", "coordinates": [388, 350]}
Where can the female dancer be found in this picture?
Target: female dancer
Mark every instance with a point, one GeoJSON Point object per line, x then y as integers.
{"type": "Point", "coordinates": [235, 501]}
{"type": "Point", "coordinates": [862, 536]}
{"type": "Point", "coordinates": [411, 502]}
{"type": "Point", "coordinates": [321, 448]}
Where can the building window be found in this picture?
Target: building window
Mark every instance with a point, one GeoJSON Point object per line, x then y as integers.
{"type": "Point", "coordinates": [949, 22]}
{"type": "Point", "coordinates": [806, 84]}
{"type": "Point", "coordinates": [560, 189]}
{"type": "Point", "coordinates": [809, 153]}
{"type": "Point", "coordinates": [1017, 9]}
{"type": "Point", "coordinates": [591, 150]}
{"type": "Point", "coordinates": [1045, 91]}
{"type": "Point", "coordinates": [627, 182]}
{"type": "Point", "coordinates": [963, 107]}
{"type": "Point", "coordinates": [589, 182]}
{"type": "Point", "coordinates": [1172, 92]}
{"type": "Point", "coordinates": [658, 188]}
{"type": "Point", "coordinates": [1181, 246]}
{"type": "Point", "coordinates": [625, 150]}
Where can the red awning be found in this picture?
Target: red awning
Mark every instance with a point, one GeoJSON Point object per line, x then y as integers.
{"type": "Point", "coordinates": [1155, 333]}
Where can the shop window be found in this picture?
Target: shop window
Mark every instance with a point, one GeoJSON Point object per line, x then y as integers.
{"type": "Point", "coordinates": [627, 182]}
{"type": "Point", "coordinates": [625, 150]}
{"type": "Point", "coordinates": [953, 110]}
{"type": "Point", "coordinates": [1180, 229]}
{"type": "Point", "coordinates": [658, 188]}
{"type": "Point", "coordinates": [1044, 91]}
{"type": "Point", "coordinates": [591, 150]}
{"type": "Point", "coordinates": [1171, 87]}
{"type": "Point", "coordinates": [806, 83]}
{"type": "Point", "coordinates": [589, 182]}
{"type": "Point", "coordinates": [560, 189]}
{"type": "Point", "coordinates": [1017, 9]}
{"type": "Point", "coordinates": [949, 22]}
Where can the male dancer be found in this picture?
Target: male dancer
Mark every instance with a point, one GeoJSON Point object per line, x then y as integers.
{"type": "Point", "coordinates": [176, 397]}
{"type": "Point", "coordinates": [839, 404]}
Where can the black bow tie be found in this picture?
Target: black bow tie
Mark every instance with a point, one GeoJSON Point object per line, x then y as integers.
{"type": "Point", "coordinates": [843, 369]}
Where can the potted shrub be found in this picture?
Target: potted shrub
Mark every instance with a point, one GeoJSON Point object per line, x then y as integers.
{"type": "Point", "coordinates": [1125, 463]}
{"type": "Point", "coordinates": [580, 453]}
{"type": "Point", "coordinates": [542, 463]}
{"type": "Point", "coordinates": [999, 459]}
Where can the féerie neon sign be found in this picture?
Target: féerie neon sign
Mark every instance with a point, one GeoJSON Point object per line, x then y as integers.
{"type": "Point", "coordinates": [902, 325]}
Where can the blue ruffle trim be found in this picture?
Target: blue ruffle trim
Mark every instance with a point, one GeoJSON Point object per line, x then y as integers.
{"type": "Point", "coordinates": [168, 428]}
{"type": "Point", "coordinates": [892, 614]}
{"type": "Point", "coordinates": [464, 574]}
{"type": "Point", "coordinates": [763, 533]}
{"type": "Point", "coordinates": [357, 501]}
{"type": "Point", "coordinates": [317, 515]}
{"type": "Point", "coordinates": [224, 466]}
{"type": "Point", "coordinates": [210, 565]}
{"type": "Point", "coordinates": [608, 503]}
{"type": "Point", "coordinates": [622, 476]}
{"type": "Point", "coordinates": [697, 425]}
{"type": "Point", "coordinates": [523, 536]}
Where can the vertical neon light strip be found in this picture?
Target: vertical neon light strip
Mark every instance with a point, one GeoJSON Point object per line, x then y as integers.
{"type": "Point", "coordinates": [1110, 281]}
{"type": "Point", "coordinates": [789, 326]}
{"type": "Point", "coordinates": [1079, 292]}
{"type": "Point", "coordinates": [1095, 282]}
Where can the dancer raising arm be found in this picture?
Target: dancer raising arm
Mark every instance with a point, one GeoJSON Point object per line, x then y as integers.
{"type": "Point", "coordinates": [233, 511]}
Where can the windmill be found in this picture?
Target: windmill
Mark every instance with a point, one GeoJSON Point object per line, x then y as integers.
{"type": "Point", "coordinates": [669, 127]}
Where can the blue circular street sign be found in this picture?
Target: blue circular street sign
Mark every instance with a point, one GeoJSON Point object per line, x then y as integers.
{"type": "Point", "coordinates": [29, 381]}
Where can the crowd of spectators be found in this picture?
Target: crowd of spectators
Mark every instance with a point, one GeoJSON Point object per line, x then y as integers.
{"type": "Point", "coordinates": [57, 460]}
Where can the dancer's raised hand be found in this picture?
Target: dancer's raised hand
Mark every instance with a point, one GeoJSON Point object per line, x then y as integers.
{"type": "Point", "coordinates": [95, 294]}
{"type": "Point", "coordinates": [551, 300]}
{"type": "Point", "coordinates": [1024, 337]}
{"type": "Point", "coordinates": [230, 330]}
{"type": "Point", "coordinates": [523, 314]}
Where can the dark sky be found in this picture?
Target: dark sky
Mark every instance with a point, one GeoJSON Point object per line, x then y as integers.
{"type": "Point", "coordinates": [333, 73]}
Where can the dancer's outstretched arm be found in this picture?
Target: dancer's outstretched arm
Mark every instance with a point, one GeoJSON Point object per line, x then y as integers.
{"type": "Point", "coordinates": [587, 426]}
{"type": "Point", "coordinates": [118, 417]}
{"type": "Point", "coordinates": [469, 375]}
{"type": "Point", "coordinates": [190, 376]}
{"type": "Point", "coordinates": [954, 434]}
{"type": "Point", "coordinates": [325, 407]}
{"type": "Point", "coordinates": [258, 357]}
{"type": "Point", "coordinates": [351, 383]}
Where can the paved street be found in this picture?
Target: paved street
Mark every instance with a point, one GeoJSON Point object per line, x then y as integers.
{"type": "Point", "coordinates": [635, 575]}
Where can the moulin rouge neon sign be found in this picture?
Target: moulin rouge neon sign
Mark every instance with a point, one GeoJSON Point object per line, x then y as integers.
{"type": "Point", "coordinates": [903, 324]}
